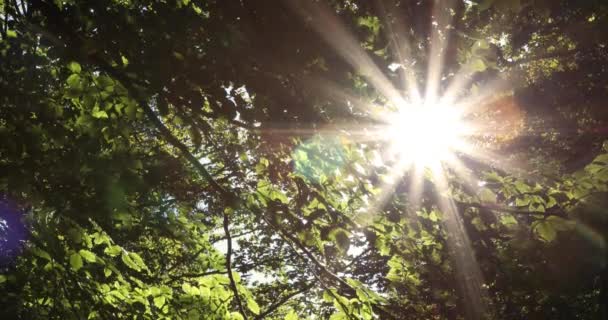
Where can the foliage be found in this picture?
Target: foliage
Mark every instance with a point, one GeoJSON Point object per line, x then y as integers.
{"type": "Point", "coordinates": [180, 160]}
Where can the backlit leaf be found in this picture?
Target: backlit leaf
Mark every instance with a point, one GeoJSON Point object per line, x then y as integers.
{"type": "Point", "coordinates": [75, 261]}
{"type": "Point", "coordinates": [87, 255]}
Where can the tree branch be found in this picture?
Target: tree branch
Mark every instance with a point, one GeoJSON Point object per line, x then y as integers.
{"type": "Point", "coordinates": [229, 198]}
{"type": "Point", "coordinates": [165, 132]}
{"type": "Point", "coordinates": [229, 266]}
{"type": "Point", "coordinates": [291, 240]}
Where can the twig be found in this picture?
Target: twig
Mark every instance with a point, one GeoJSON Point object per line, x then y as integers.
{"type": "Point", "coordinates": [331, 293]}
{"type": "Point", "coordinates": [194, 275]}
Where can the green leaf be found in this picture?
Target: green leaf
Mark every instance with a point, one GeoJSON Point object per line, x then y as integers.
{"type": "Point", "coordinates": [522, 187]}
{"type": "Point", "coordinates": [522, 202]}
{"type": "Point", "coordinates": [493, 177]}
{"type": "Point", "coordinates": [178, 55]}
{"type": "Point", "coordinates": [138, 260]}
{"type": "Point", "coordinates": [100, 238]}
{"type": "Point", "coordinates": [11, 33]}
{"type": "Point", "coordinates": [292, 315]}
{"type": "Point", "coordinates": [128, 261]}
{"type": "Point", "coordinates": [3, 278]}
{"type": "Point", "coordinates": [279, 196]}
{"type": "Point", "coordinates": [74, 67]}
{"type": "Point", "coordinates": [236, 316]}
{"type": "Point", "coordinates": [194, 315]}
{"type": "Point", "coordinates": [478, 223]}
{"type": "Point", "coordinates": [87, 255]}
{"type": "Point", "coordinates": [264, 162]}
{"type": "Point", "coordinates": [75, 261]}
{"type": "Point", "coordinates": [73, 81]}
{"type": "Point", "coordinates": [508, 220]}
{"type": "Point", "coordinates": [551, 202]}
{"type": "Point", "coordinates": [41, 253]}
{"type": "Point", "coordinates": [371, 22]}
{"type": "Point", "coordinates": [187, 288]}
{"type": "Point", "coordinates": [383, 248]}
{"type": "Point", "coordinates": [545, 231]}
{"type": "Point", "coordinates": [253, 306]}
{"type": "Point", "coordinates": [131, 111]}
{"type": "Point", "coordinates": [159, 301]}
{"type": "Point", "coordinates": [205, 292]}
{"type": "Point", "coordinates": [477, 65]}
{"type": "Point", "coordinates": [487, 196]}
{"type": "Point", "coordinates": [100, 114]}
{"type": "Point", "coordinates": [113, 251]}
{"type": "Point", "coordinates": [340, 237]}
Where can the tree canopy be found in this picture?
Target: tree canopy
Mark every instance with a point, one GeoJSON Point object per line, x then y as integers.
{"type": "Point", "coordinates": [220, 159]}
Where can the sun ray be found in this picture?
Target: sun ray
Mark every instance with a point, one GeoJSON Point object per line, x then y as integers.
{"type": "Point", "coordinates": [386, 190]}
{"type": "Point", "coordinates": [479, 102]}
{"type": "Point", "coordinates": [401, 49]}
{"type": "Point", "coordinates": [462, 172]}
{"type": "Point", "coordinates": [336, 35]}
{"type": "Point", "coordinates": [488, 157]}
{"type": "Point", "coordinates": [347, 99]}
{"type": "Point", "coordinates": [441, 19]}
{"type": "Point", "coordinates": [460, 247]}
{"type": "Point", "coordinates": [416, 184]}
{"type": "Point", "coordinates": [459, 83]}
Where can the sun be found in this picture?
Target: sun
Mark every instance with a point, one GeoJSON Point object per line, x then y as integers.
{"type": "Point", "coordinates": [425, 135]}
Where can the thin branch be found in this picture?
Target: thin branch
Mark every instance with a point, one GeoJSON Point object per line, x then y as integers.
{"type": "Point", "coordinates": [357, 258]}
{"type": "Point", "coordinates": [229, 266]}
{"type": "Point", "coordinates": [17, 9]}
{"type": "Point", "coordinates": [187, 259]}
{"type": "Point", "coordinates": [194, 275]}
{"type": "Point", "coordinates": [308, 254]}
{"type": "Point", "coordinates": [489, 206]}
{"type": "Point", "coordinates": [242, 234]}
{"type": "Point", "coordinates": [283, 300]}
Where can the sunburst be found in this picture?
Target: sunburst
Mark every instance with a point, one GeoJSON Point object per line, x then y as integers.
{"type": "Point", "coordinates": [425, 135]}
{"type": "Point", "coordinates": [424, 132]}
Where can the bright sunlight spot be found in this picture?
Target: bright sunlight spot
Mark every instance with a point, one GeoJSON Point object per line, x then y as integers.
{"type": "Point", "coordinates": [425, 135]}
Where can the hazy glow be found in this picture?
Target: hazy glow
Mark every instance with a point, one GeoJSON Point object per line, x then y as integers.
{"type": "Point", "coordinates": [425, 135]}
